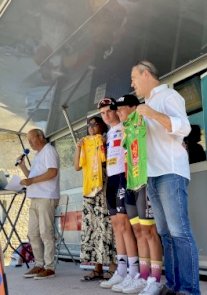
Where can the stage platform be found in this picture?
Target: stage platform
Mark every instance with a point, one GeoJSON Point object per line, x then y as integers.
{"type": "Point", "coordinates": [66, 282]}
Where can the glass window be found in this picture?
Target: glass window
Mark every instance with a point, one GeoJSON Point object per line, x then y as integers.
{"type": "Point", "coordinates": [190, 89]}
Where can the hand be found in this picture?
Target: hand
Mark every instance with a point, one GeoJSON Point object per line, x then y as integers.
{"type": "Point", "coordinates": [145, 110]}
{"type": "Point", "coordinates": [26, 181]}
{"type": "Point", "coordinates": [148, 112]}
{"type": "Point", "coordinates": [21, 161]}
{"type": "Point", "coordinates": [79, 143]}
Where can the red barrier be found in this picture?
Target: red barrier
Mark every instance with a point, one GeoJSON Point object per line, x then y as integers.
{"type": "Point", "coordinates": [73, 221]}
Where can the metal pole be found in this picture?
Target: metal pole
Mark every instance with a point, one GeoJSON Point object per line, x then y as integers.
{"type": "Point", "coordinates": [69, 124]}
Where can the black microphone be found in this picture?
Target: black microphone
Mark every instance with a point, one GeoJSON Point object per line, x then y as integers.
{"type": "Point", "coordinates": [26, 152]}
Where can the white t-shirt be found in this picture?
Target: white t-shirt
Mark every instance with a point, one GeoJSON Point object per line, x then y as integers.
{"type": "Point", "coordinates": [115, 151]}
{"type": "Point", "coordinates": [45, 159]}
{"type": "Point", "coordinates": [165, 151]}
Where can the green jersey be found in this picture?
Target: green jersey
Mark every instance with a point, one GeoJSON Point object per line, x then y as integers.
{"type": "Point", "coordinates": [134, 142]}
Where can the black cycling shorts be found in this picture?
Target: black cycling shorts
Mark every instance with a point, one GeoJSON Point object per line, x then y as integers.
{"type": "Point", "coordinates": [115, 194]}
{"type": "Point", "coordinates": [138, 207]}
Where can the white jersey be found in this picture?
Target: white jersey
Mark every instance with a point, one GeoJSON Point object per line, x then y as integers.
{"type": "Point", "coordinates": [45, 159]}
{"type": "Point", "coordinates": [115, 151]}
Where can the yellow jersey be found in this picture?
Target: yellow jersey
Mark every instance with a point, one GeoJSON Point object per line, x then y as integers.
{"type": "Point", "coordinates": [91, 158]}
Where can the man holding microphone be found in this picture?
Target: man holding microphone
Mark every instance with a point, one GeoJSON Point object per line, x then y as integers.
{"type": "Point", "coordinates": [42, 182]}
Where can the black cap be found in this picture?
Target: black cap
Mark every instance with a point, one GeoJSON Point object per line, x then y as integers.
{"type": "Point", "coordinates": [127, 100]}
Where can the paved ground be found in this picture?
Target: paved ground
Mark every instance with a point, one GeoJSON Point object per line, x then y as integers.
{"type": "Point", "coordinates": [67, 282]}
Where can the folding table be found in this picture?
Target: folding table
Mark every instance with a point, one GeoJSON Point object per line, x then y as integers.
{"type": "Point", "coordinates": [12, 196]}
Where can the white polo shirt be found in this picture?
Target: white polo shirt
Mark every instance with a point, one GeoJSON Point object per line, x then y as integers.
{"type": "Point", "coordinates": [44, 159]}
{"type": "Point", "coordinates": [165, 151]}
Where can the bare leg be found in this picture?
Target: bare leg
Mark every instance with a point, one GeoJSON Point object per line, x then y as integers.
{"type": "Point", "coordinates": [120, 245]}
{"type": "Point", "coordinates": [125, 228]}
{"type": "Point", "coordinates": [129, 239]}
{"type": "Point", "coordinates": [155, 247]}
{"type": "Point", "coordinates": [153, 240]}
{"type": "Point", "coordinates": [98, 267]}
{"type": "Point", "coordinates": [95, 274]}
{"type": "Point", "coordinates": [112, 267]}
{"type": "Point", "coordinates": [142, 242]}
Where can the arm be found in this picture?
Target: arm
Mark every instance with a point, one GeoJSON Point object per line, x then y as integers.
{"type": "Point", "coordinates": [150, 113]}
{"type": "Point", "coordinates": [77, 156]}
{"type": "Point", "coordinates": [173, 116]}
{"type": "Point", "coordinates": [51, 173]}
{"type": "Point", "coordinates": [24, 169]}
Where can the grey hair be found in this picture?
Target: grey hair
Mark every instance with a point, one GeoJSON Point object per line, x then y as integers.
{"type": "Point", "coordinates": [150, 67]}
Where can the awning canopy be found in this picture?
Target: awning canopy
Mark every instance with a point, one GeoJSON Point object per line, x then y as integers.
{"type": "Point", "coordinates": [71, 53]}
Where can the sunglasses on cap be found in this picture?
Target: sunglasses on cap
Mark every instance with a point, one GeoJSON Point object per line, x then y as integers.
{"type": "Point", "coordinates": [107, 102]}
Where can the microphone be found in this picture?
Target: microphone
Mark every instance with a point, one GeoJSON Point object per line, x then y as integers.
{"type": "Point", "coordinates": [25, 153]}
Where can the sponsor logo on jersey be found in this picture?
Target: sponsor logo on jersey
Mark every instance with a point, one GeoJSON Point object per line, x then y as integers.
{"type": "Point", "coordinates": [121, 193]}
{"type": "Point", "coordinates": [135, 152]}
{"type": "Point", "coordinates": [148, 211]}
{"type": "Point", "coordinates": [112, 161]}
{"type": "Point", "coordinates": [116, 142]}
{"type": "Point", "coordinates": [135, 171]}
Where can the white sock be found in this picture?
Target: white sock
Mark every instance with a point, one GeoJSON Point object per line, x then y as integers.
{"type": "Point", "coordinates": [133, 266]}
{"type": "Point", "coordinates": [122, 265]}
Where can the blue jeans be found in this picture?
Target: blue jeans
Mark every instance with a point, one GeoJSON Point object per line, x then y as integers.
{"type": "Point", "coordinates": [168, 195]}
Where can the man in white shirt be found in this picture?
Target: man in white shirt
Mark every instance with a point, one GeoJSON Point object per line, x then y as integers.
{"type": "Point", "coordinates": [168, 177]}
{"type": "Point", "coordinates": [42, 184]}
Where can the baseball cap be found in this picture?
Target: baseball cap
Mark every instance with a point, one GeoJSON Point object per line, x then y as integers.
{"type": "Point", "coordinates": [107, 101]}
{"type": "Point", "coordinates": [127, 100]}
